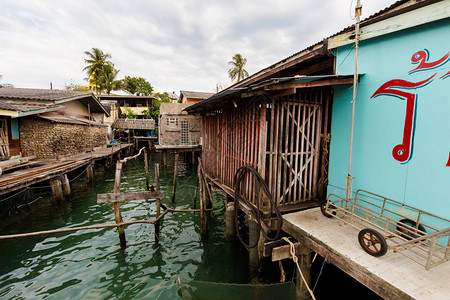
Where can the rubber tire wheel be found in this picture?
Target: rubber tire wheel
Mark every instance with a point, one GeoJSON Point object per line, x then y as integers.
{"type": "Point", "coordinates": [323, 204]}
{"type": "Point", "coordinates": [369, 238]}
{"type": "Point", "coordinates": [406, 234]}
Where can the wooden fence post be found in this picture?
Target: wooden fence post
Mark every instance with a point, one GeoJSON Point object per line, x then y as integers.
{"type": "Point", "coordinates": [117, 214]}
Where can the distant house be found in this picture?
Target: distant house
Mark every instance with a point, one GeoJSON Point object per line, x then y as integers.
{"type": "Point", "coordinates": [137, 104]}
{"type": "Point", "coordinates": [49, 123]}
{"type": "Point", "coordinates": [177, 128]}
{"type": "Point", "coordinates": [193, 97]}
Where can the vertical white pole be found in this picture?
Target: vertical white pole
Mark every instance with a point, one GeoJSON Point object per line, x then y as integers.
{"type": "Point", "coordinates": [349, 192]}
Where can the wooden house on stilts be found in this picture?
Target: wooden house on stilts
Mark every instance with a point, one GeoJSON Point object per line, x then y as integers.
{"type": "Point", "coordinates": [277, 121]}
{"type": "Point", "coordinates": [394, 198]}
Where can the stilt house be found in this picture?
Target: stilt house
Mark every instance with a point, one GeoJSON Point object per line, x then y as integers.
{"type": "Point", "coordinates": [49, 123]}
{"type": "Point", "coordinates": [282, 119]}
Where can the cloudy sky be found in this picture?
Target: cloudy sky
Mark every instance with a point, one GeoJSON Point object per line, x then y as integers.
{"type": "Point", "coordinates": [176, 45]}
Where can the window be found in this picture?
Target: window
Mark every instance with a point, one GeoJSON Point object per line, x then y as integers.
{"type": "Point", "coordinates": [172, 122]}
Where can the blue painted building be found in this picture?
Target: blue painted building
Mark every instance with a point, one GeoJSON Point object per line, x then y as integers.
{"type": "Point", "coordinates": [402, 120]}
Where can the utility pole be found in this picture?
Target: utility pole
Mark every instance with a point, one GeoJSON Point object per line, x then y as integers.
{"type": "Point", "coordinates": [349, 192]}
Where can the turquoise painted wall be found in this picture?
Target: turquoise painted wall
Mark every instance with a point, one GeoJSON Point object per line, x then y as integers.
{"type": "Point", "coordinates": [424, 181]}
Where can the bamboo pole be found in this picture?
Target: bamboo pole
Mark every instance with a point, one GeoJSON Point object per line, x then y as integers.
{"type": "Point", "coordinates": [118, 225]}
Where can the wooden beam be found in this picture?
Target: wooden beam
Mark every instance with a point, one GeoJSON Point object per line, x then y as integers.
{"type": "Point", "coordinates": [423, 15]}
{"type": "Point", "coordinates": [316, 83]}
{"type": "Point", "coordinates": [283, 252]}
{"type": "Point", "coordinates": [121, 197]}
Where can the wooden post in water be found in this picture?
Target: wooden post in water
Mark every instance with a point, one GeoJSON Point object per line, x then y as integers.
{"type": "Point", "coordinates": [164, 158]}
{"type": "Point", "coordinates": [90, 173]}
{"type": "Point", "coordinates": [203, 224]}
{"type": "Point", "coordinates": [175, 174]}
{"type": "Point", "coordinates": [253, 235]}
{"type": "Point", "coordinates": [230, 227]}
{"type": "Point", "coordinates": [158, 203]}
{"type": "Point", "coordinates": [57, 192]}
{"type": "Point", "coordinates": [66, 185]}
{"type": "Point", "coordinates": [117, 214]}
{"type": "Point", "coordinates": [147, 184]}
{"type": "Point", "coordinates": [304, 260]}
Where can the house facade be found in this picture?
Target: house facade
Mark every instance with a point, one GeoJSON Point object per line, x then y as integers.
{"type": "Point", "coordinates": [177, 128]}
{"type": "Point", "coordinates": [50, 124]}
{"type": "Point", "coordinates": [402, 124]}
{"type": "Point", "coordinates": [292, 119]}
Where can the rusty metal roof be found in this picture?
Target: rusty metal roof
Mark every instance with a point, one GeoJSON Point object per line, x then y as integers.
{"type": "Point", "coordinates": [27, 100]}
{"type": "Point", "coordinates": [195, 95]}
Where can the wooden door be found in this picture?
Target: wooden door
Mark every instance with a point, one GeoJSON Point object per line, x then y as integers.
{"type": "Point", "coordinates": [294, 150]}
{"type": "Point", "coordinates": [4, 144]}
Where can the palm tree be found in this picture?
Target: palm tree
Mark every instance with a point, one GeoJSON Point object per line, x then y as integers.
{"type": "Point", "coordinates": [95, 62]}
{"type": "Point", "coordinates": [107, 79]}
{"type": "Point", "coordinates": [238, 71]}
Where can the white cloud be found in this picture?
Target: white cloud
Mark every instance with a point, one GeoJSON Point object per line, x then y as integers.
{"type": "Point", "coordinates": [174, 44]}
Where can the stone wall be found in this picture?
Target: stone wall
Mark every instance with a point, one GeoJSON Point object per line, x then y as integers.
{"type": "Point", "coordinates": [46, 139]}
{"type": "Point", "coordinates": [170, 135]}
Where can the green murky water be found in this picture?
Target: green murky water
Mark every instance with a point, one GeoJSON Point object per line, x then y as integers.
{"type": "Point", "coordinates": [90, 264]}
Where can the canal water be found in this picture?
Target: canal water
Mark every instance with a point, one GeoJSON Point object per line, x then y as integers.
{"type": "Point", "coordinates": [90, 264]}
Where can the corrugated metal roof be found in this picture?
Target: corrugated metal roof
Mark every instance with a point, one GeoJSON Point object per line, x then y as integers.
{"type": "Point", "coordinates": [25, 100]}
{"type": "Point", "coordinates": [273, 82]}
{"type": "Point", "coordinates": [40, 94]}
{"type": "Point", "coordinates": [195, 95]}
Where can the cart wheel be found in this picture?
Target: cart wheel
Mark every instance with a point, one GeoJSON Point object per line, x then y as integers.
{"type": "Point", "coordinates": [407, 234]}
{"type": "Point", "coordinates": [323, 205]}
{"type": "Point", "coordinates": [372, 242]}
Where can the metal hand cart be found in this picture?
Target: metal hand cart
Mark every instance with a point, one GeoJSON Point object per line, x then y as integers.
{"type": "Point", "coordinates": [419, 235]}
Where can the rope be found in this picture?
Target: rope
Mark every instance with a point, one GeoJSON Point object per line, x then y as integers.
{"type": "Point", "coordinates": [239, 177]}
{"type": "Point", "coordinates": [295, 259]}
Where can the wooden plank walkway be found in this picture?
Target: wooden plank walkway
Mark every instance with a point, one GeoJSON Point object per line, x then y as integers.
{"type": "Point", "coordinates": [20, 179]}
{"type": "Point", "coordinates": [392, 276]}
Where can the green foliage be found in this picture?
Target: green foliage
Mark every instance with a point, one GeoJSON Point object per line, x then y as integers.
{"type": "Point", "coordinates": [76, 87]}
{"type": "Point", "coordinates": [138, 86]}
{"type": "Point", "coordinates": [128, 113]}
{"type": "Point", "coordinates": [95, 62]}
{"type": "Point", "coordinates": [237, 71]}
{"type": "Point", "coordinates": [107, 79]}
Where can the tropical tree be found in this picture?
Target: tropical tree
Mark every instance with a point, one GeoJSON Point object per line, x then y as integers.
{"type": "Point", "coordinates": [138, 86]}
{"type": "Point", "coordinates": [237, 71]}
{"type": "Point", "coordinates": [107, 79]}
{"type": "Point", "coordinates": [95, 62]}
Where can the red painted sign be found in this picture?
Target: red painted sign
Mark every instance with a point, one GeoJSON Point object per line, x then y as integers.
{"type": "Point", "coordinates": [403, 152]}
